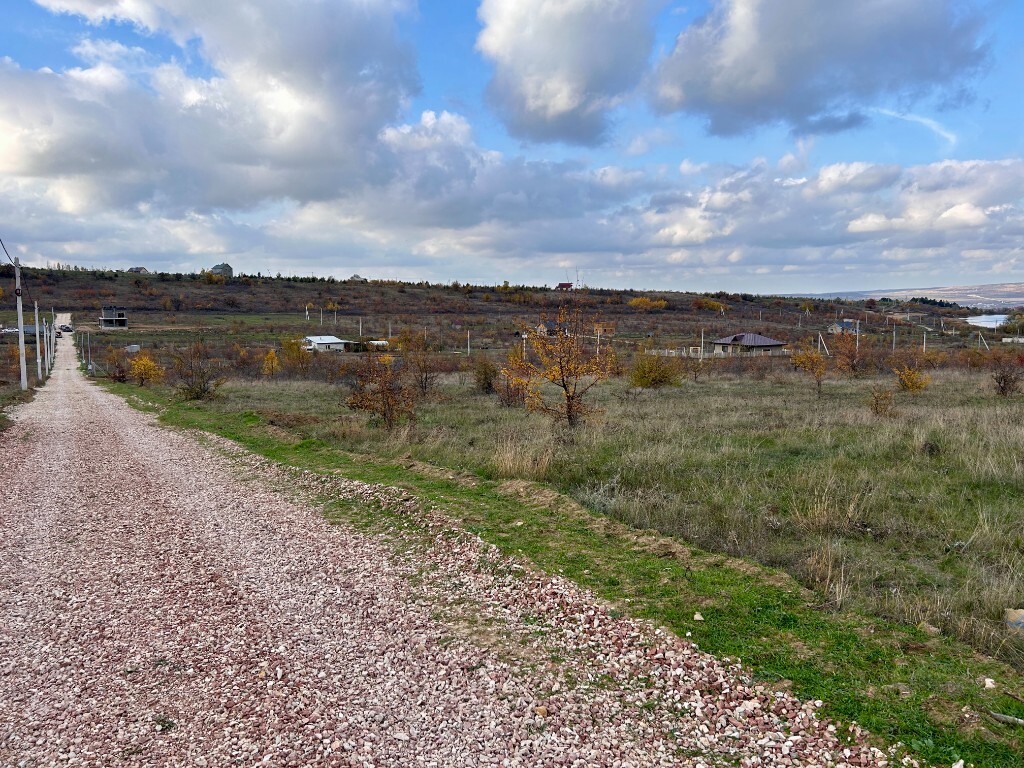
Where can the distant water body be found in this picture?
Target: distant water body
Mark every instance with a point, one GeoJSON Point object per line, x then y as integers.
{"type": "Point", "coordinates": [987, 321]}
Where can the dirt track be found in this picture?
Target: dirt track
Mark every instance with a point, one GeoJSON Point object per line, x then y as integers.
{"type": "Point", "coordinates": [162, 604]}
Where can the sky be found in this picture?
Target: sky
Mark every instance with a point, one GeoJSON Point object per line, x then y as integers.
{"type": "Point", "coordinates": [764, 146]}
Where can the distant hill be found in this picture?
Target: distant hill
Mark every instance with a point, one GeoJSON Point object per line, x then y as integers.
{"type": "Point", "coordinates": [996, 295]}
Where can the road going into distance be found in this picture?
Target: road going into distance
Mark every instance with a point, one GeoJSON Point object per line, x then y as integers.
{"type": "Point", "coordinates": [171, 600]}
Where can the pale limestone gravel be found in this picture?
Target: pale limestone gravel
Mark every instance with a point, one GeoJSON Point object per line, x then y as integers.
{"type": "Point", "coordinates": [167, 600]}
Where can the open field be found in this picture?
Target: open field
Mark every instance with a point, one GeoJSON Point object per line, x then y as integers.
{"type": "Point", "coordinates": [900, 536]}
{"type": "Point", "coordinates": [858, 558]}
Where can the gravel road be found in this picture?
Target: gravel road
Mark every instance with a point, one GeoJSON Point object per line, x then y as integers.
{"type": "Point", "coordinates": [167, 600]}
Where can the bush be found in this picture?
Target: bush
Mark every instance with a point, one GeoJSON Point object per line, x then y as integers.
{"type": "Point", "coordinates": [1007, 373]}
{"type": "Point", "coordinates": [655, 371]}
{"type": "Point", "coordinates": [144, 368]}
{"type": "Point", "coordinates": [910, 379]}
{"type": "Point", "coordinates": [881, 403]}
{"type": "Point", "coordinates": [485, 374]}
{"type": "Point", "coordinates": [196, 372]}
{"type": "Point", "coordinates": [117, 364]}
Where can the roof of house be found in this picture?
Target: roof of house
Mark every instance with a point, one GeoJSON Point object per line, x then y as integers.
{"type": "Point", "coordinates": [326, 340]}
{"type": "Point", "coordinates": [750, 340]}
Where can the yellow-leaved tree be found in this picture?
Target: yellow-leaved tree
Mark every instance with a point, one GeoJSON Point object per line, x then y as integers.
{"type": "Point", "coordinates": [809, 360]}
{"type": "Point", "coordinates": [144, 368]}
{"type": "Point", "coordinates": [561, 358]}
{"type": "Point", "coordinates": [270, 364]}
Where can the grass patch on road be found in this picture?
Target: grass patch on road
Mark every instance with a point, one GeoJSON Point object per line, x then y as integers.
{"type": "Point", "coordinates": [902, 683]}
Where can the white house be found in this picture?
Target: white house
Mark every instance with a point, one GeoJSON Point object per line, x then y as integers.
{"type": "Point", "coordinates": [325, 344]}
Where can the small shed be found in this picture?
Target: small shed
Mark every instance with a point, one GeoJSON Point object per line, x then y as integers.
{"type": "Point", "coordinates": [113, 317]}
{"type": "Point", "coordinates": [325, 344]}
{"type": "Point", "coordinates": [748, 344]}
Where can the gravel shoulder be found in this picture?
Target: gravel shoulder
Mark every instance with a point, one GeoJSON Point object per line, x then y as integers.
{"type": "Point", "coordinates": [165, 601]}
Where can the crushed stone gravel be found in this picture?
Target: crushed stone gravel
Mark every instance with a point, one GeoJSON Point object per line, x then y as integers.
{"type": "Point", "coordinates": [168, 599]}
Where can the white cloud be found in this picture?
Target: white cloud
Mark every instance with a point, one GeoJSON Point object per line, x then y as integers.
{"type": "Point", "coordinates": [560, 67]}
{"type": "Point", "coordinates": [815, 66]}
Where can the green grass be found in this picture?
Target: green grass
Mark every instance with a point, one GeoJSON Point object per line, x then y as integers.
{"type": "Point", "coordinates": [718, 457]}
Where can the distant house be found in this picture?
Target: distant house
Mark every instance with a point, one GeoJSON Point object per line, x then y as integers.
{"type": "Point", "coordinates": [358, 279]}
{"type": "Point", "coordinates": [113, 317]}
{"type": "Point", "coordinates": [846, 325]}
{"type": "Point", "coordinates": [563, 287]}
{"type": "Point", "coordinates": [551, 328]}
{"type": "Point", "coordinates": [325, 344]}
{"type": "Point", "coordinates": [224, 270]}
{"type": "Point", "coordinates": [748, 344]}
{"type": "Point", "coordinates": [604, 329]}
{"type": "Point", "coordinates": [138, 270]}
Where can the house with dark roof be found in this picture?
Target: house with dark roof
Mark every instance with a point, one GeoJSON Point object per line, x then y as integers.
{"type": "Point", "coordinates": [224, 270]}
{"type": "Point", "coordinates": [845, 325]}
{"type": "Point", "coordinates": [748, 344]}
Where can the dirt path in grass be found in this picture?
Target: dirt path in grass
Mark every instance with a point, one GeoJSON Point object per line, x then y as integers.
{"type": "Point", "coordinates": [164, 603]}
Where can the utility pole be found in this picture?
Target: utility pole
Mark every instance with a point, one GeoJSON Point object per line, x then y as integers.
{"type": "Point", "coordinates": [39, 354]}
{"type": "Point", "coordinates": [46, 347]}
{"type": "Point", "coordinates": [21, 325]}
{"type": "Point", "coordinates": [467, 343]}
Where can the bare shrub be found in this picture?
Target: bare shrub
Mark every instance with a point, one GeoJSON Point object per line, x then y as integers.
{"type": "Point", "coordinates": [1007, 373]}
{"type": "Point", "coordinates": [198, 376]}
{"type": "Point", "coordinates": [117, 362]}
{"type": "Point", "coordinates": [384, 390]}
{"type": "Point", "coordinates": [882, 403]}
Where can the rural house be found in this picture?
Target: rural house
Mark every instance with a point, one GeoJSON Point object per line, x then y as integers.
{"type": "Point", "coordinates": [113, 317]}
{"type": "Point", "coordinates": [224, 270]}
{"type": "Point", "coordinates": [325, 344]}
{"type": "Point", "coordinates": [748, 344]}
{"type": "Point", "coordinates": [846, 325]}
{"type": "Point", "coordinates": [138, 270]}
{"type": "Point", "coordinates": [551, 328]}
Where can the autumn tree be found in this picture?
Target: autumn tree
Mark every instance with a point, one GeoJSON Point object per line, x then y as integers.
{"type": "Point", "coordinates": [144, 368]}
{"type": "Point", "coordinates": [910, 379]}
{"type": "Point", "coordinates": [270, 364]}
{"type": "Point", "coordinates": [513, 381]}
{"type": "Point", "coordinates": [645, 304]}
{"type": "Point", "coordinates": [424, 365]}
{"type": "Point", "coordinates": [809, 360]}
{"type": "Point", "coordinates": [561, 359]}
{"type": "Point", "coordinates": [382, 388]}
{"type": "Point", "coordinates": [117, 364]}
{"type": "Point", "coordinates": [853, 354]}
{"type": "Point", "coordinates": [708, 304]}
{"type": "Point", "coordinates": [295, 361]}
